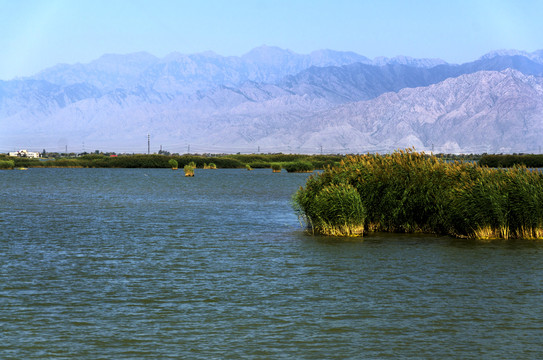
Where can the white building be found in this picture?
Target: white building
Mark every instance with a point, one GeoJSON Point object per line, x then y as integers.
{"type": "Point", "coordinates": [25, 153]}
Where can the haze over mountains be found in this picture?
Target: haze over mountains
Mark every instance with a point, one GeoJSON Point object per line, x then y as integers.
{"type": "Point", "coordinates": [274, 100]}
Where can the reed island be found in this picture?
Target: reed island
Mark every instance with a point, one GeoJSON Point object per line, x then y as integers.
{"type": "Point", "coordinates": [407, 191]}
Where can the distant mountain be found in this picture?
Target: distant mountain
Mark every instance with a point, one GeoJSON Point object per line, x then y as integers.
{"type": "Point", "coordinates": [536, 56]}
{"type": "Point", "coordinates": [486, 111]}
{"type": "Point", "coordinates": [278, 101]}
{"type": "Point", "coordinates": [358, 81]}
{"type": "Point", "coordinates": [40, 96]}
{"type": "Point", "coordinates": [107, 73]}
{"type": "Point", "coordinates": [409, 61]}
{"type": "Point", "coordinates": [179, 73]}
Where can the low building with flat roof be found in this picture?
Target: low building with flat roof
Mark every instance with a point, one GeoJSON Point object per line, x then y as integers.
{"type": "Point", "coordinates": [25, 153]}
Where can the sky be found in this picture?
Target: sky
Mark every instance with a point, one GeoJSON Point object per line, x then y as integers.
{"type": "Point", "coordinates": [37, 34]}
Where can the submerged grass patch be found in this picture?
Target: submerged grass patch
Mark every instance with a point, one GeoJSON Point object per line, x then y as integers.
{"type": "Point", "coordinates": [411, 192]}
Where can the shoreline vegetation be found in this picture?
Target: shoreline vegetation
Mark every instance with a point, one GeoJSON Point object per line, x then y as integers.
{"type": "Point", "coordinates": [412, 192]}
{"type": "Point", "coordinates": [291, 162]}
{"type": "Point", "coordinates": [7, 164]}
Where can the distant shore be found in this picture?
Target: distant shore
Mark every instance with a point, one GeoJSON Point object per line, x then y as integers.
{"type": "Point", "coordinates": [255, 161]}
{"type": "Point", "coordinates": [233, 161]}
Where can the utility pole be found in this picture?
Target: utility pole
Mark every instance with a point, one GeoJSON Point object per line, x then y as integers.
{"type": "Point", "coordinates": [188, 149]}
{"type": "Point", "coordinates": [148, 144]}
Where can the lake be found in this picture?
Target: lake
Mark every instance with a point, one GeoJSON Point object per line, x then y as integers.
{"type": "Point", "coordinates": [145, 263]}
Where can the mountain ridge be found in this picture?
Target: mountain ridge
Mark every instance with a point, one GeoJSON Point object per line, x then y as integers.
{"type": "Point", "coordinates": [221, 104]}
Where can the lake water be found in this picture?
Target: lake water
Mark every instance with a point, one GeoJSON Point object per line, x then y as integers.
{"type": "Point", "coordinates": [145, 263]}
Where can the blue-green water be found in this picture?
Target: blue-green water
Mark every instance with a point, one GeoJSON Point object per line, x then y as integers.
{"type": "Point", "coordinates": [122, 263]}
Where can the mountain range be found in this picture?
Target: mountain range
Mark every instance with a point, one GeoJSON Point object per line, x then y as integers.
{"type": "Point", "coordinates": [274, 100]}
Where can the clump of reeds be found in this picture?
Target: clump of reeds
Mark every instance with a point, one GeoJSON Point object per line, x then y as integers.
{"type": "Point", "coordinates": [276, 167]}
{"type": "Point", "coordinates": [173, 163]}
{"type": "Point", "coordinates": [335, 210]}
{"type": "Point", "coordinates": [412, 192]}
{"type": "Point", "coordinates": [189, 169]}
{"type": "Point", "coordinates": [248, 167]}
{"type": "Point", "coordinates": [210, 166]}
{"type": "Point", "coordinates": [299, 166]}
{"type": "Point", "coordinates": [7, 164]}
{"type": "Point", "coordinates": [259, 165]}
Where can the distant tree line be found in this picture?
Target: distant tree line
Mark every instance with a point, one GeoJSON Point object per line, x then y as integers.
{"type": "Point", "coordinates": [506, 161]}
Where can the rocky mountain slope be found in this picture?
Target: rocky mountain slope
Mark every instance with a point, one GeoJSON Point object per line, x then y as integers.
{"type": "Point", "coordinates": [486, 111]}
{"type": "Point", "coordinates": [274, 100]}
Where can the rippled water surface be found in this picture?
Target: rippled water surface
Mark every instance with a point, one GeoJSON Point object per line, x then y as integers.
{"type": "Point", "coordinates": [136, 263]}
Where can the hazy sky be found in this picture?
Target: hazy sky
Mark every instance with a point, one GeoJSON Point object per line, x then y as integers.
{"type": "Point", "coordinates": [36, 34]}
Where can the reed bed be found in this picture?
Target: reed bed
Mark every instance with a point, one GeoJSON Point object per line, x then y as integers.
{"type": "Point", "coordinates": [412, 192]}
{"type": "Point", "coordinates": [7, 164]}
{"type": "Point", "coordinates": [299, 166]}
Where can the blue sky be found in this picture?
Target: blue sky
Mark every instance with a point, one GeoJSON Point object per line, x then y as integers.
{"type": "Point", "coordinates": [37, 34]}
